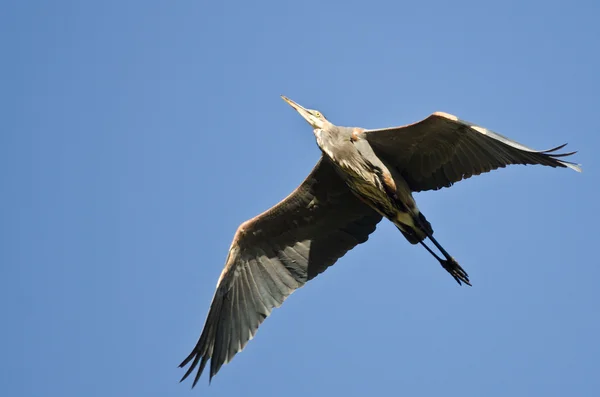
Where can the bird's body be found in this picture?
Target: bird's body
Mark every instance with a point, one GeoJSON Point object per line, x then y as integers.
{"type": "Point", "coordinates": [378, 185]}
{"type": "Point", "coordinates": [362, 176]}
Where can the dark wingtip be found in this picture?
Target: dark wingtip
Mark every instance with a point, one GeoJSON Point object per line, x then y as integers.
{"type": "Point", "coordinates": [188, 359]}
{"type": "Point", "coordinates": [563, 154]}
{"type": "Point", "coordinates": [196, 356]}
{"type": "Point", "coordinates": [563, 163]}
{"type": "Point", "coordinates": [187, 373]}
{"type": "Point", "coordinates": [196, 379]}
{"type": "Point", "coordinates": [555, 149]}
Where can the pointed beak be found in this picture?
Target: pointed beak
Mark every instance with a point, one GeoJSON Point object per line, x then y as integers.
{"type": "Point", "coordinates": [308, 116]}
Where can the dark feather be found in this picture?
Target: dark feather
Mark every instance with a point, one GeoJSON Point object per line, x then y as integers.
{"type": "Point", "coordinates": [274, 254]}
{"type": "Point", "coordinates": [441, 150]}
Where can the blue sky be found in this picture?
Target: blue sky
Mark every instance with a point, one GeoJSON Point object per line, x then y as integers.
{"type": "Point", "coordinates": [136, 137]}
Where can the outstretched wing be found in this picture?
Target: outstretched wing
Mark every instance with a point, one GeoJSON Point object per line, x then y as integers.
{"type": "Point", "coordinates": [274, 254]}
{"type": "Point", "coordinates": [440, 150]}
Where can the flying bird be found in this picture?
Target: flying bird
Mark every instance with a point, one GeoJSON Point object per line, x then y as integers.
{"type": "Point", "coordinates": [361, 177]}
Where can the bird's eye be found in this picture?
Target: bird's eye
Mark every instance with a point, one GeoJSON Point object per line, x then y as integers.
{"type": "Point", "coordinates": [317, 114]}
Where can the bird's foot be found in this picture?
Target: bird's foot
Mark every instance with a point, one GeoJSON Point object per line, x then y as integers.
{"type": "Point", "coordinates": [455, 271]}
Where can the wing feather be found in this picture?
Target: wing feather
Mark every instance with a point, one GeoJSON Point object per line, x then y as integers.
{"type": "Point", "coordinates": [276, 253]}
{"type": "Point", "coordinates": [441, 150]}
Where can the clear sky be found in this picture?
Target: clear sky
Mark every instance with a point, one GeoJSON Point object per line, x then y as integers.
{"type": "Point", "coordinates": [136, 136]}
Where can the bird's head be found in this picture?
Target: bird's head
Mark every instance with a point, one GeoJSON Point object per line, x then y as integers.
{"type": "Point", "coordinates": [314, 117]}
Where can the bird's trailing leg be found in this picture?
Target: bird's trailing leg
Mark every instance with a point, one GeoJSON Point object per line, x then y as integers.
{"type": "Point", "coordinates": [449, 263]}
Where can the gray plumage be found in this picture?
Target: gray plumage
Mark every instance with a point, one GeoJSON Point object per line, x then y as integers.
{"type": "Point", "coordinates": [361, 177]}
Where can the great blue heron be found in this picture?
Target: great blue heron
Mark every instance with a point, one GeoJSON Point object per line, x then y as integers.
{"type": "Point", "coordinates": [362, 176]}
